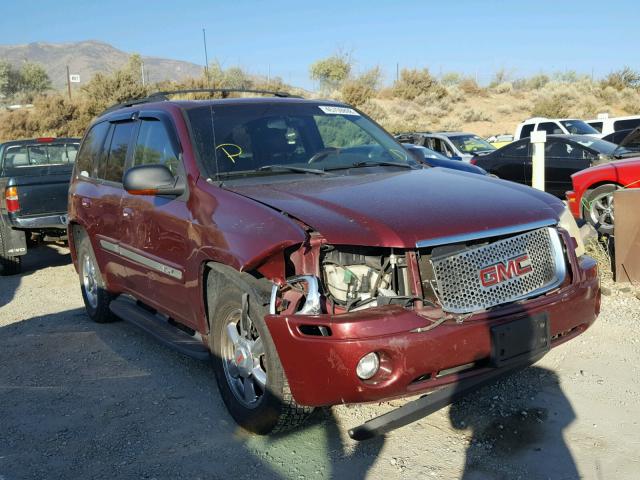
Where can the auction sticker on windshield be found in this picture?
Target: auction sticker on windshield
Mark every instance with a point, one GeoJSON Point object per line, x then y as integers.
{"type": "Point", "coordinates": [338, 110]}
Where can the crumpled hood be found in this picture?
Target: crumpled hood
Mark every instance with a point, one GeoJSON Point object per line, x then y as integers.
{"type": "Point", "coordinates": [399, 209]}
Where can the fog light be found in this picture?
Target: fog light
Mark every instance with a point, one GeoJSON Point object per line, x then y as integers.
{"type": "Point", "coordinates": [368, 366]}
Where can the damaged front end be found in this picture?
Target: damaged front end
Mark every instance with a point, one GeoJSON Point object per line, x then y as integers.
{"type": "Point", "coordinates": [356, 323]}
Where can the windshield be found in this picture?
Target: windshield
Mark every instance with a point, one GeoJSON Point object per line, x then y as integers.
{"type": "Point", "coordinates": [471, 144]}
{"type": "Point", "coordinates": [19, 156]}
{"type": "Point", "coordinates": [603, 147]}
{"type": "Point", "coordinates": [578, 127]}
{"type": "Point", "coordinates": [254, 138]}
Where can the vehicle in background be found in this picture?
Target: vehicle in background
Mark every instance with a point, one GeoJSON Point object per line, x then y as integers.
{"type": "Point", "coordinates": [305, 249]}
{"type": "Point", "coordinates": [554, 126]}
{"type": "Point", "coordinates": [591, 197]}
{"type": "Point", "coordinates": [564, 156]}
{"type": "Point", "coordinates": [617, 137]}
{"type": "Point", "coordinates": [454, 145]}
{"type": "Point", "coordinates": [500, 141]}
{"type": "Point", "coordinates": [629, 139]}
{"type": "Point", "coordinates": [34, 183]}
{"type": "Point", "coordinates": [607, 125]}
{"type": "Point", "coordinates": [434, 159]}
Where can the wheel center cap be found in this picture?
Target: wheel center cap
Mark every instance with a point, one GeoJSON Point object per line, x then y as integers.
{"type": "Point", "coordinates": [243, 359]}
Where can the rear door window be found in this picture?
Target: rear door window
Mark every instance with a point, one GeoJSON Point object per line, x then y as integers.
{"type": "Point", "coordinates": [113, 170]}
{"type": "Point", "coordinates": [526, 130]}
{"type": "Point", "coordinates": [596, 125]}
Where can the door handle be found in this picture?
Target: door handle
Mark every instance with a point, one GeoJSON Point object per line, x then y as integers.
{"type": "Point", "coordinates": [85, 202]}
{"type": "Point", "coordinates": [127, 212]}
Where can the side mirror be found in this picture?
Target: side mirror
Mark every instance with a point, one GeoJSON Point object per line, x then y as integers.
{"type": "Point", "coordinates": [152, 180]}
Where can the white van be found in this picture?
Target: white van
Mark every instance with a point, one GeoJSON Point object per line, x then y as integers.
{"type": "Point", "coordinates": [553, 126]}
{"type": "Point", "coordinates": [606, 125]}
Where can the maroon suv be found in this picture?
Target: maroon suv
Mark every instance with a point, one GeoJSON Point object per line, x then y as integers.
{"type": "Point", "coordinates": [299, 245]}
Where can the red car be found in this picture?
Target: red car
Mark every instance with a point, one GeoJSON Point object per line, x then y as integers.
{"type": "Point", "coordinates": [592, 196]}
{"type": "Point", "coordinates": [298, 244]}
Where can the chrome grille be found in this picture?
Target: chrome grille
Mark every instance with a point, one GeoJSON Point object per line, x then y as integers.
{"type": "Point", "coordinates": [458, 278]}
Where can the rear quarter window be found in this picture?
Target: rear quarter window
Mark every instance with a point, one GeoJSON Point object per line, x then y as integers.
{"type": "Point", "coordinates": [91, 149]}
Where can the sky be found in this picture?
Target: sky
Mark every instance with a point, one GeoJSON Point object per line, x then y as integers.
{"type": "Point", "coordinates": [284, 37]}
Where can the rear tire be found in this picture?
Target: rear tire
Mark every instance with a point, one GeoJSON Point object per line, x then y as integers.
{"type": "Point", "coordinates": [250, 376]}
{"type": "Point", "coordinates": [9, 265]}
{"type": "Point", "coordinates": [598, 208]}
{"type": "Point", "coordinates": [94, 293]}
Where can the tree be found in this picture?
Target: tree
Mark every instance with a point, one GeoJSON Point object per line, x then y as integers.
{"type": "Point", "coordinates": [9, 79]}
{"type": "Point", "coordinates": [33, 78]}
{"type": "Point", "coordinates": [331, 71]}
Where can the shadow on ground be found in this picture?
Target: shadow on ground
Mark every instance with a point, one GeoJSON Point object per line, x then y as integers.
{"type": "Point", "coordinates": [515, 428]}
{"type": "Point", "coordinates": [42, 256]}
{"type": "Point", "coordinates": [81, 400]}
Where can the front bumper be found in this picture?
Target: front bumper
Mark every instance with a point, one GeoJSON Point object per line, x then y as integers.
{"type": "Point", "coordinates": [57, 221]}
{"type": "Point", "coordinates": [321, 369]}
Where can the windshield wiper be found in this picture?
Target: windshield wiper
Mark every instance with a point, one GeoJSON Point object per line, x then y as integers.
{"type": "Point", "coordinates": [291, 168]}
{"type": "Point", "coordinates": [376, 164]}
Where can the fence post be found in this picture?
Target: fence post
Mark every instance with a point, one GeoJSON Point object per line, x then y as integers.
{"type": "Point", "coordinates": [538, 140]}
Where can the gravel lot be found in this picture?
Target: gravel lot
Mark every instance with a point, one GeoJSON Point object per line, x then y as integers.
{"type": "Point", "coordinates": [80, 400]}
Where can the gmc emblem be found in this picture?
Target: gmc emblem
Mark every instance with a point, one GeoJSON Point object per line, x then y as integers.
{"type": "Point", "coordinates": [501, 272]}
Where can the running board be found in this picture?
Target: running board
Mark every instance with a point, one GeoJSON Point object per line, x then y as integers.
{"type": "Point", "coordinates": [127, 309]}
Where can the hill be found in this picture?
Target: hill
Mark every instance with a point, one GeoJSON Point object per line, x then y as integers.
{"type": "Point", "coordinates": [90, 57]}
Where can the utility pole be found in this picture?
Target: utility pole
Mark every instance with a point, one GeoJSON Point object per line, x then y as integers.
{"type": "Point", "coordinates": [68, 82]}
{"type": "Point", "coordinates": [142, 73]}
{"type": "Point", "coordinates": [206, 57]}
{"type": "Point", "coordinates": [397, 71]}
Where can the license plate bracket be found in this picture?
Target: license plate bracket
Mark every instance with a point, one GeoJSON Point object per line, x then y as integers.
{"type": "Point", "coordinates": [527, 337]}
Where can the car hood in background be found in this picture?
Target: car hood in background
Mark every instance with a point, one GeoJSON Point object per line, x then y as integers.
{"type": "Point", "coordinates": [400, 209]}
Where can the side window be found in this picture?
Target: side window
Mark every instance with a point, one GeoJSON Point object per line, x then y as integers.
{"type": "Point", "coordinates": [154, 146]}
{"type": "Point", "coordinates": [550, 127]}
{"type": "Point", "coordinates": [91, 148]}
{"type": "Point", "coordinates": [526, 130]}
{"type": "Point", "coordinates": [120, 140]}
{"type": "Point", "coordinates": [517, 149]}
{"type": "Point", "coordinates": [559, 149]}
{"type": "Point", "coordinates": [626, 124]}
{"type": "Point", "coordinates": [596, 125]}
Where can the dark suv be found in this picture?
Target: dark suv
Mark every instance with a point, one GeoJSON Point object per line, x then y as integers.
{"type": "Point", "coordinates": [299, 245]}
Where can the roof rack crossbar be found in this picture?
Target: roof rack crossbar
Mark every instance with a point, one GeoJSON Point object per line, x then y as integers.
{"type": "Point", "coordinates": [163, 96]}
{"type": "Point", "coordinates": [223, 91]}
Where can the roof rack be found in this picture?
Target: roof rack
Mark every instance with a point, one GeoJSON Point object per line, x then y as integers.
{"type": "Point", "coordinates": [163, 96]}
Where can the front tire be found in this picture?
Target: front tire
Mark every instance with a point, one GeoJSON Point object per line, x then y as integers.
{"type": "Point", "coordinates": [598, 209]}
{"type": "Point", "coordinates": [94, 293]}
{"type": "Point", "coordinates": [250, 376]}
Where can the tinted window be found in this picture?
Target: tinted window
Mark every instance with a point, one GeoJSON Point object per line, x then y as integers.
{"type": "Point", "coordinates": [517, 149]}
{"type": "Point", "coordinates": [114, 168]}
{"type": "Point", "coordinates": [91, 148]}
{"type": "Point", "coordinates": [626, 124]}
{"type": "Point", "coordinates": [526, 130]}
{"type": "Point", "coordinates": [549, 127]}
{"type": "Point", "coordinates": [596, 125]}
{"type": "Point", "coordinates": [154, 146]}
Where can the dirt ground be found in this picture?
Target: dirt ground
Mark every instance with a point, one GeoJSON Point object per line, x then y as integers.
{"type": "Point", "coordinates": [81, 400]}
